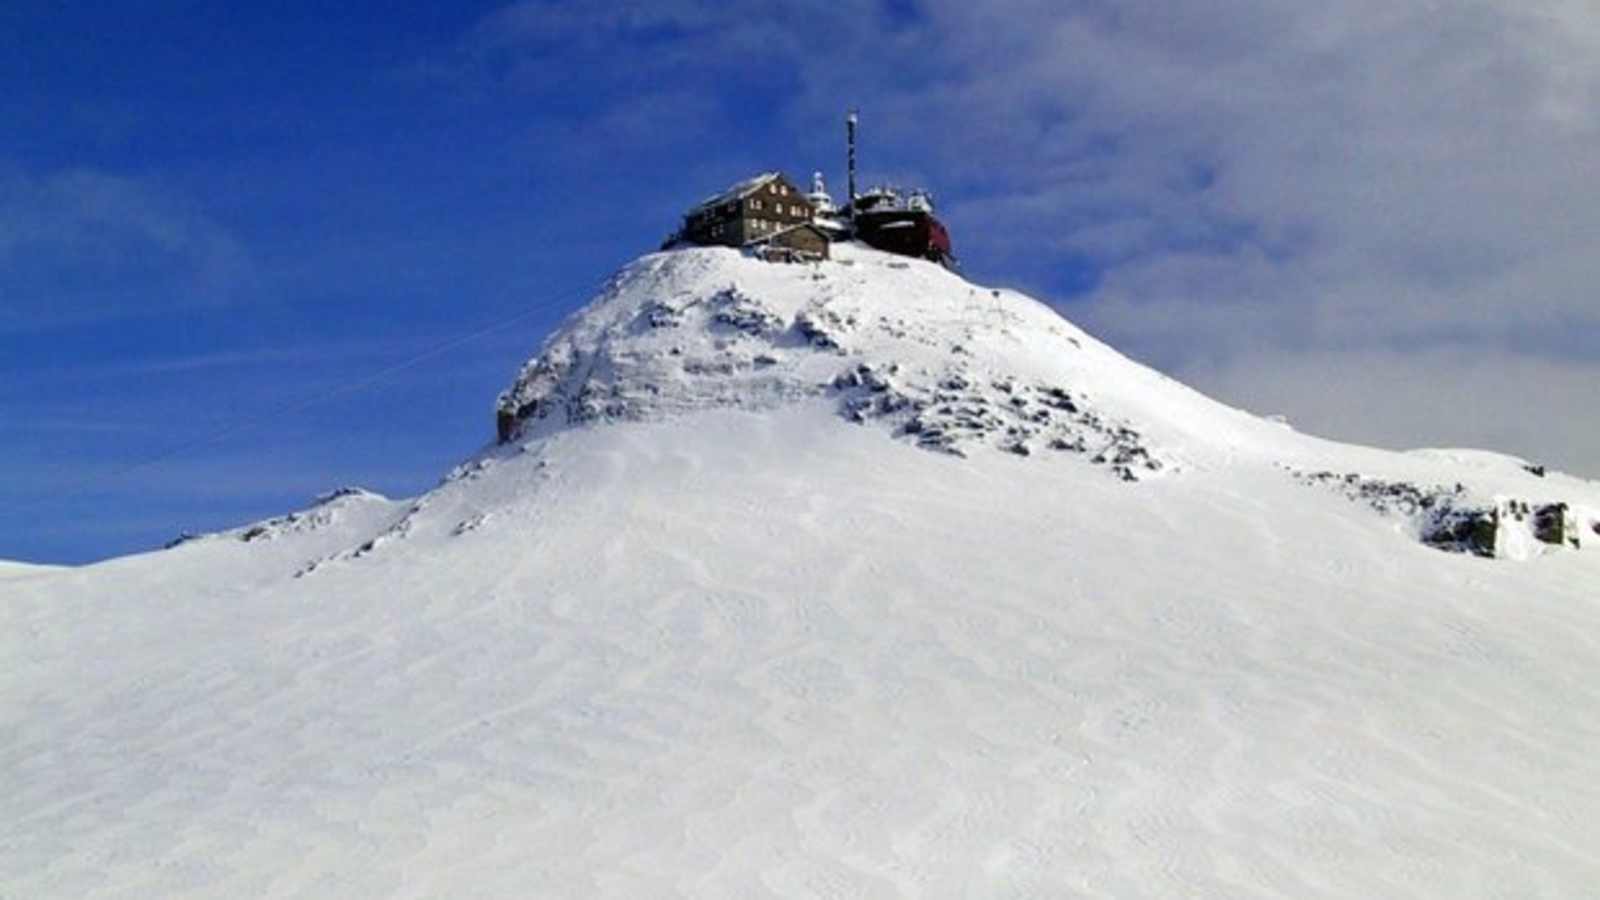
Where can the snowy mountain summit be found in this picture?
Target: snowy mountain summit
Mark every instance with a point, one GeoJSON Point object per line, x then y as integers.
{"type": "Point", "coordinates": [946, 365]}
{"type": "Point", "coordinates": [934, 359]}
{"type": "Point", "coordinates": [847, 579]}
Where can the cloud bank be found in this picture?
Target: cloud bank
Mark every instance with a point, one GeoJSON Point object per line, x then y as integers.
{"type": "Point", "coordinates": [1305, 208]}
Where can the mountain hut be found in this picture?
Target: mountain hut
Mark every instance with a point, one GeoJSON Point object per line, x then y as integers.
{"type": "Point", "coordinates": [750, 212]}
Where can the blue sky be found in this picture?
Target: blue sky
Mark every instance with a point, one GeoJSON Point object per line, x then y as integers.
{"type": "Point", "coordinates": [1376, 218]}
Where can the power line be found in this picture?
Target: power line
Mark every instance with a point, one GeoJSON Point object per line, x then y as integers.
{"type": "Point", "coordinates": [75, 489]}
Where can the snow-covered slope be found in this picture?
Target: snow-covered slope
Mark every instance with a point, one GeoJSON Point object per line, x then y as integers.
{"type": "Point", "coordinates": [23, 570]}
{"type": "Point", "coordinates": [954, 367]}
{"type": "Point", "coordinates": [850, 580]}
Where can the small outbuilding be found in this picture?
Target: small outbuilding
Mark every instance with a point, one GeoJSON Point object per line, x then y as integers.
{"type": "Point", "coordinates": [805, 242]}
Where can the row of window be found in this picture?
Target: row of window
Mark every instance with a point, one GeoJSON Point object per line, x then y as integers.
{"type": "Point", "coordinates": [779, 208]}
{"type": "Point", "coordinates": [757, 226]}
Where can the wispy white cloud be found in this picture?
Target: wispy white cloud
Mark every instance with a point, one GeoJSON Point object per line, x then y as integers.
{"type": "Point", "coordinates": [79, 245]}
{"type": "Point", "coordinates": [227, 476]}
{"type": "Point", "coordinates": [591, 26]}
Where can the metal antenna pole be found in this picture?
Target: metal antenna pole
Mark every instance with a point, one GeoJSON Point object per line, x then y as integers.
{"type": "Point", "coordinates": [850, 143]}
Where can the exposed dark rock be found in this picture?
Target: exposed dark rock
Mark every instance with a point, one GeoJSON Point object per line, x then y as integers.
{"type": "Point", "coordinates": [657, 314]}
{"type": "Point", "coordinates": [960, 409]}
{"type": "Point", "coordinates": [718, 366]}
{"type": "Point", "coordinates": [1056, 398]}
{"type": "Point", "coordinates": [820, 328]}
{"type": "Point", "coordinates": [182, 538]}
{"type": "Point", "coordinates": [744, 314]}
{"type": "Point", "coordinates": [1472, 531]}
{"type": "Point", "coordinates": [1446, 519]}
{"type": "Point", "coordinates": [1550, 523]}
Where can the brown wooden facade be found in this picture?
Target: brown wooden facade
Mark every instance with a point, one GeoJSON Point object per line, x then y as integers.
{"type": "Point", "coordinates": [749, 212]}
{"type": "Point", "coordinates": [797, 243]}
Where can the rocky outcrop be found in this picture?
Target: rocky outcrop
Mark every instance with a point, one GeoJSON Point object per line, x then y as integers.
{"type": "Point", "coordinates": [1452, 519]}
{"type": "Point", "coordinates": [666, 338]}
{"type": "Point", "coordinates": [961, 411]}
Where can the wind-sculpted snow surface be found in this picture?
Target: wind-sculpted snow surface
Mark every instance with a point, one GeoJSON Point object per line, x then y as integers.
{"type": "Point", "coordinates": [717, 624]}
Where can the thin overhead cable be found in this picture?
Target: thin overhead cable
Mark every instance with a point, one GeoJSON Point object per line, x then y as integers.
{"type": "Point", "coordinates": [305, 403]}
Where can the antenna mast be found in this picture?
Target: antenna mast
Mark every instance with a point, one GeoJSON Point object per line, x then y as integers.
{"type": "Point", "coordinates": [850, 145]}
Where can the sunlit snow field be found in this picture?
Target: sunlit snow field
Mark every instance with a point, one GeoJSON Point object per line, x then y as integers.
{"type": "Point", "coordinates": [749, 648]}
